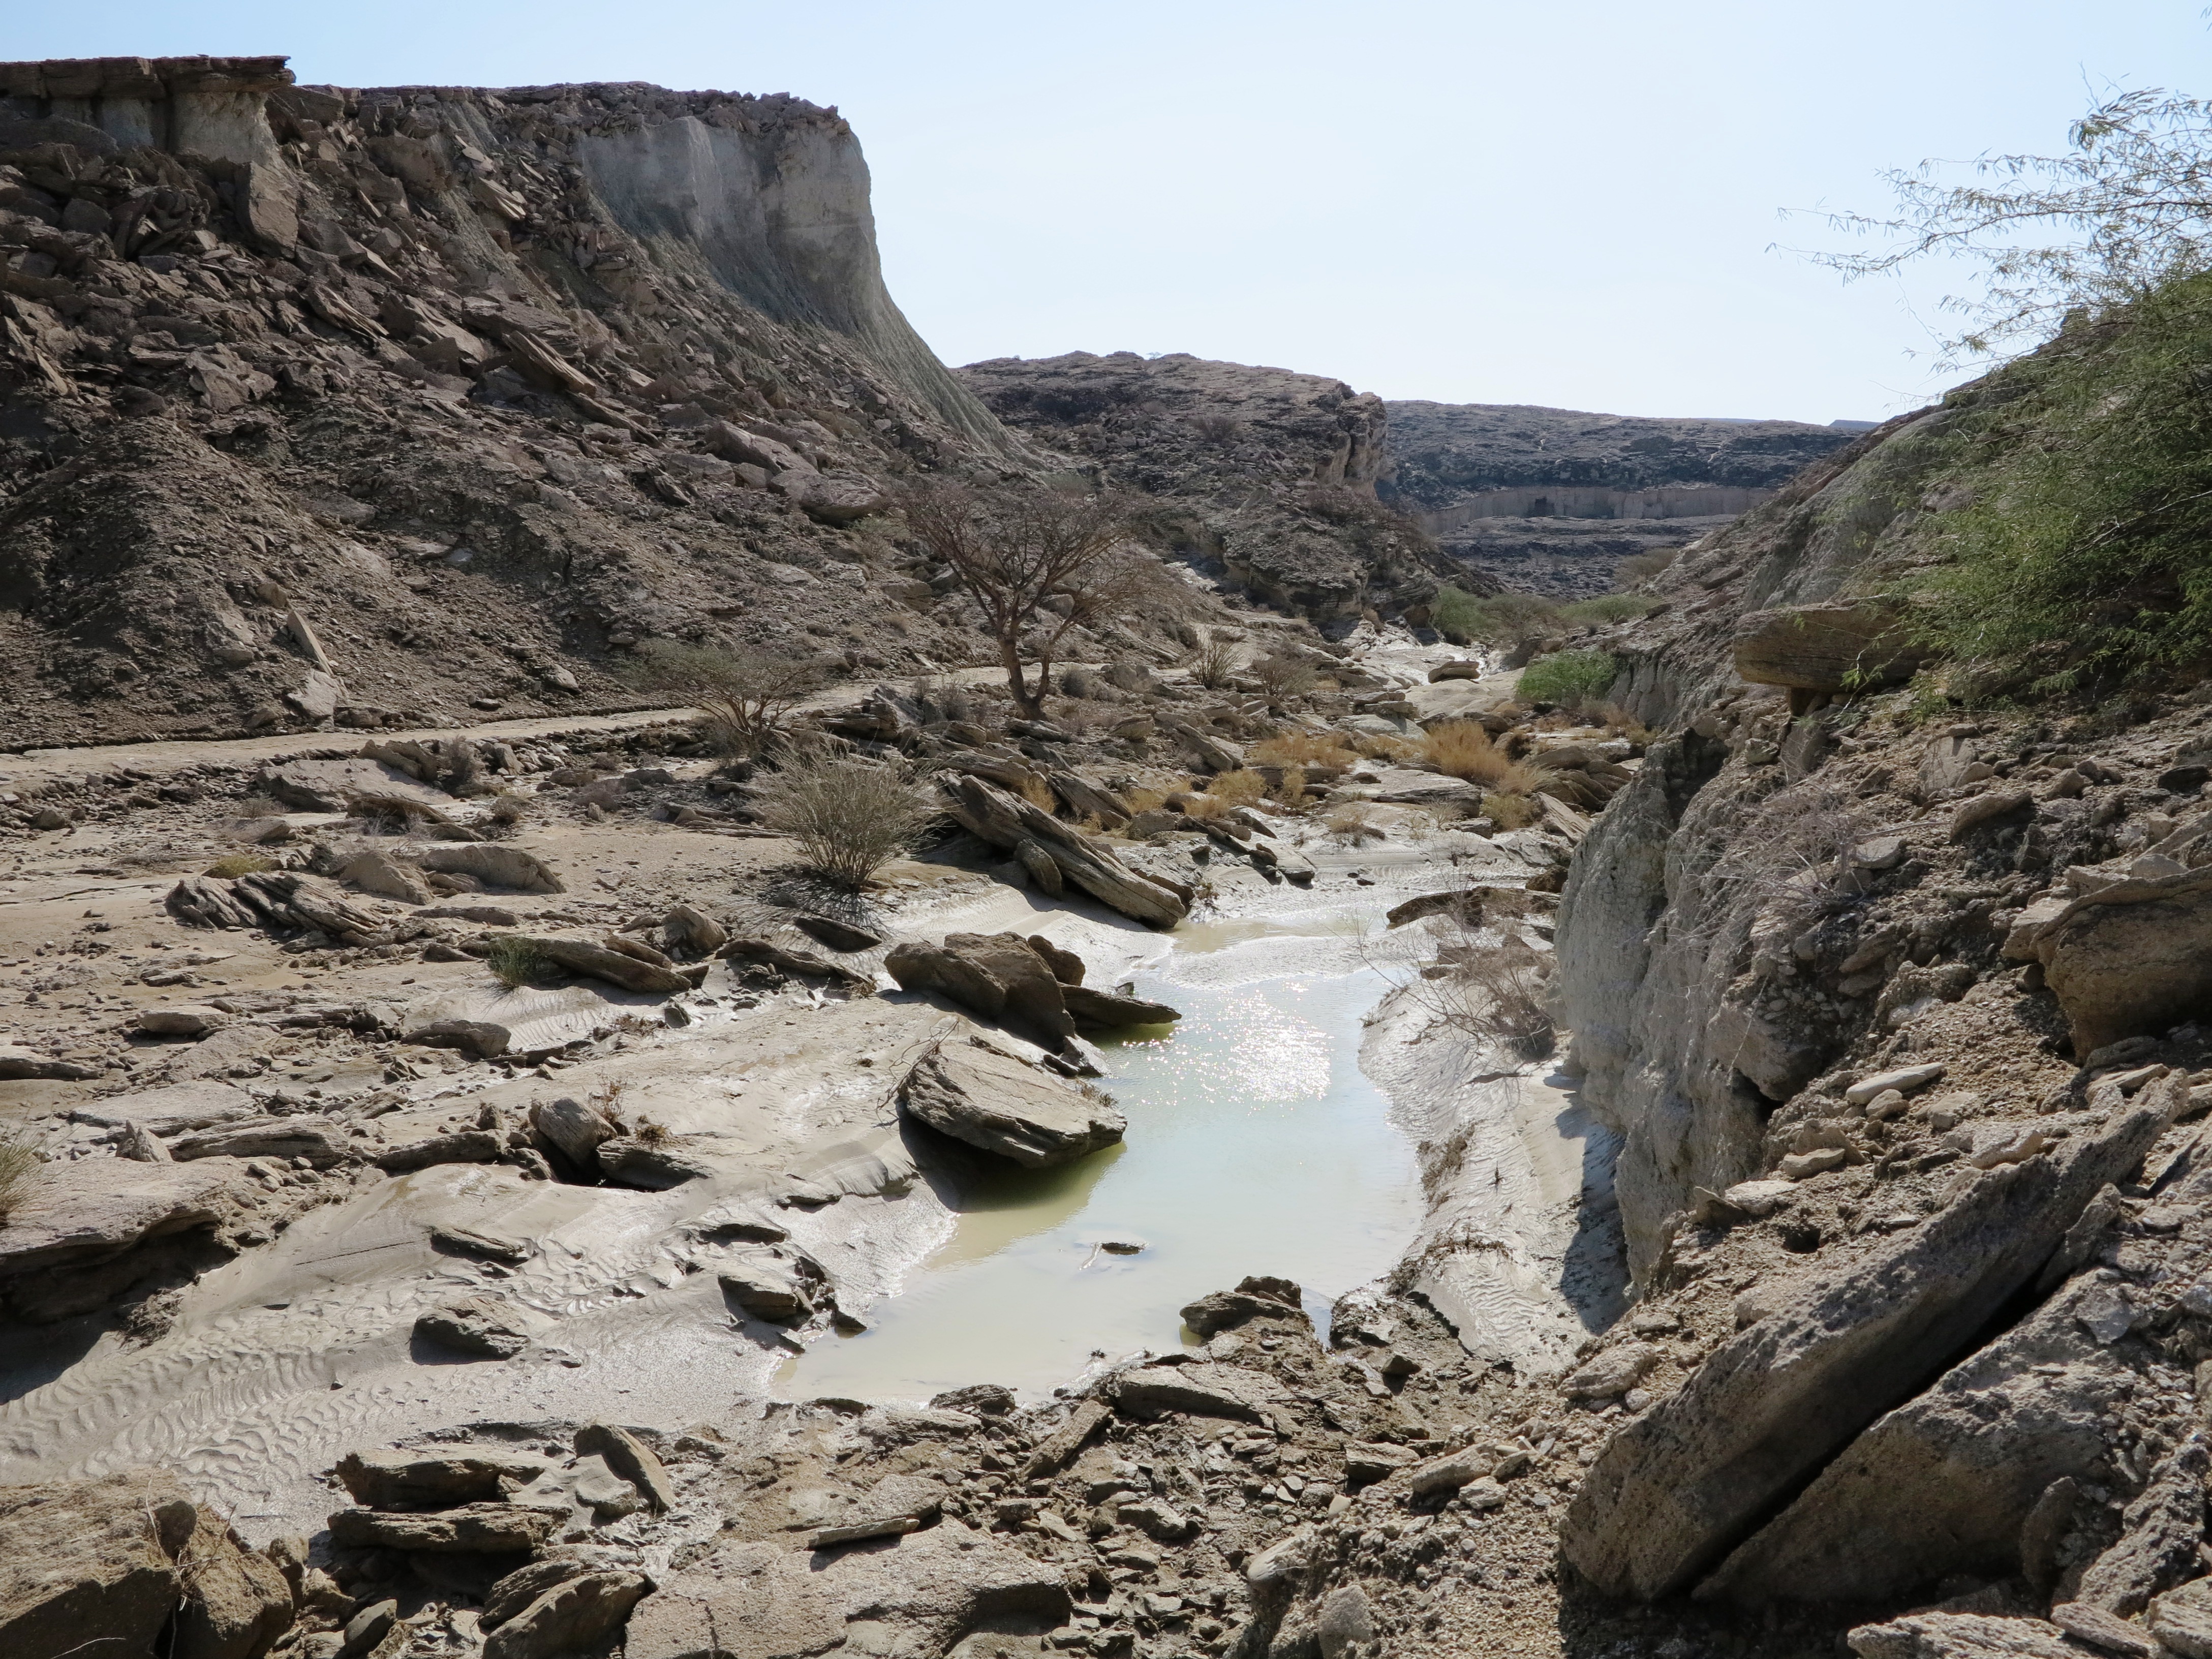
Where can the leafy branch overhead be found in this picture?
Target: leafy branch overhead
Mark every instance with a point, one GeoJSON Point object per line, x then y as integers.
{"type": "Point", "coordinates": [2128, 207]}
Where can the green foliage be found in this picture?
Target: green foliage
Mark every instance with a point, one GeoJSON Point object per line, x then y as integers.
{"type": "Point", "coordinates": [1604, 609]}
{"type": "Point", "coordinates": [2085, 555]}
{"type": "Point", "coordinates": [850, 817]}
{"type": "Point", "coordinates": [516, 962]}
{"type": "Point", "coordinates": [1568, 678]}
{"type": "Point", "coordinates": [1456, 614]}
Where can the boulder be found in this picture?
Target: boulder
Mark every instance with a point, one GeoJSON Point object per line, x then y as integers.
{"type": "Point", "coordinates": [1611, 1373]}
{"type": "Point", "coordinates": [652, 1166]}
{"type": "Point", "coordinates": [351, 785]}
{"type": "Point", "coordinates": [990, 1100]}
{"type": "Point", "coordinates": [18, 1063]}
{"type": "Point", "coordinates": [1255, 1298]}
{"type": "Point", "coordinates": [477, 1528]}
{"type": "Point", "coordinates": [91, 1565]}
{"type": "Point", "coordinates": [626, 1455]}
{"type": "Point", "coordinates": [617, 968]}
{"type": "Point", "coordinates": [1841, 644]}
{"type": "Point", "coordinates": [577, 1613]}
{"type": "Point", "coordinates": [1944, 1484]}
{"type": "Point", "coordinates": [1100, 1011]}
{"type": "Point", "coordinates": [387, 878]}
{"type": "Point", "coordinates": [573, 1127]}
{"type": "Point", "coordinates": [1006, 820]}
{"type": "Point", "coordinates": [494, 864]}
{"type": "Point", "coordinates": [769, 1288]}
{"type": "Point", "coordinates": [831, 499]}
{"type": "Point", "coordinates": [94, 1210]}
{"type": "Point", "coordinates": [237, 1602]}
{"type": "Point", "coordinates": [1677, 1487]}
{"type": "Point", "coordinates": [2132, 958]}
{"type": "Point", "coordinates": [434, 1477]}
{"type": "Point", "coordinates": [691, 931]}
{"type": "Point", "coordinates": [836, 934]}
{"type": "Point", "coordinates": [322, 1141]}
{"type": "Point", "coordinates": [2182, 1620]}
{"type": "Point", "coordinates": [184, 1019]}
{"type": "Point", "coordinates": [484, 1325]}
{"type": "Point", "coordinates": [997, 975]}
{"type": "Point", "coordinates": [802, 962]}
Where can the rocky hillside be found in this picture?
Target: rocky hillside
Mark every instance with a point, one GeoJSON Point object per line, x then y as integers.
{"type": "Point", "coordinates": [1262, 475]}
{"type": "Point", "coordinates": [379, 406]}
{"type": "Point", "coordinates": [1548, 501]}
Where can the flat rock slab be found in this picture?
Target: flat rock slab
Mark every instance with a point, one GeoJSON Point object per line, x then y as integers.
{"type": "Point", "coordinates": [97, 1208]}
{"type": "Point", "coordinates": [322, 1141]}
{"type": "Point", "coordinates": [434, 1477]}
{"type": "Point", "coordinates": [992, 1100]}
{"type": "Point", "coordinates": [482, 1325]}
{"type": "Point", "coordinates": [1671, 1493]}
{"type": "Point", "coordinates": [172, 1110]}
{"type": "Point", "coordinates": [341, 786]}
{"type": "Point", "coordinates": [759, 1602]}
{"type": "Point", "coordinates": [488, 1529]}
{"type": "Point", "coordinates": [1206, 1389]}
{"type": "Point", "coordinates": [1962, 1636]}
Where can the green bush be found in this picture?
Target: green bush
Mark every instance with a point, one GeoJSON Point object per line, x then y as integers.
{"type": "Point", "coordinates": [515, 963]}
{"type": "Point", "coordinates": [1455, 615]}
{"type": "Point", "coordinates": [1606, 608]}
{"type": "Point", "coordinates": [2085, 555]}
{"type": "Point", "coordinates": [1568, 678]}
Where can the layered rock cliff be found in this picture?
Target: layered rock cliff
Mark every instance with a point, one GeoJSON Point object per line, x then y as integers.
{"type": "Point", "coordinates": [377, 405]}
{"type": "Point", "coordinates": [1261, 475]}
{"type": "Point", "coordinates": [1550, 500]}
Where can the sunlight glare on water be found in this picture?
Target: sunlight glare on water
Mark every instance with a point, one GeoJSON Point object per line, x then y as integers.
{"type": "Point", "coordinates": [1255, 1145]}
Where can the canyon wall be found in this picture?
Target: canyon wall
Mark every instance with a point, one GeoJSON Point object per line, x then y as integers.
{"type": "Point", "coordinates": [1551, 500]}
{"type": "Point", "coordinates": [382, 406]}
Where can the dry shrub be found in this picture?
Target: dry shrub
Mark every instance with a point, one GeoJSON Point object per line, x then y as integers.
{"type": "Point", "coordinates": [748, 694]}
{"type": "Point", "coordinates": [1303, 749]}
{"type": "Point", "coordinates": [19, 1168]}
{"type": "Point", "coordinates": [1510, 811]}
{"type": "Point", "coordinates": [1291, 790]}
{"type": "Point", "coordinates": [1375, 747]}
{"type": "Point", "coordinates": [232, 865]}
{"type": "Point", "coordinates": [1497, 993]}
{"type": "Point", "coordinates": [1500, 996]}
{"type": "Point", "coordinates": [1282, 675]}
{"type": "Point", "coordinates": [261, 806]}
{"type": "Point", "coordinates": [509, 807]}
{"type": "Point", "coordinates": [1242, 787]}
{"type": "Point", "coordinates": [1144, 799]}
{"type": "Point", "coordinates": [850, 817]}
{"type": "Point", "coordinates": [1462, 749]}
{"type": "Point", "coordinates": [1215, 665]}
{"type": "Point", "coordinates": [1619, 723]}
{"type": "Point", "coordinates": [1038, 793]}
{"type": "Point", "coordinates": [1352, 822]}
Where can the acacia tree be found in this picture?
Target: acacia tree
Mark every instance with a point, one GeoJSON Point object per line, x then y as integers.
{"type": "Point", "coordinates": [2131, 203]}
{"type": "Point", "coordinates": [1037, 563]}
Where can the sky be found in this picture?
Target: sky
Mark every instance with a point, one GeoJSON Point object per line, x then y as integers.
{"type": "Point", "coordinates": [1577, 203]}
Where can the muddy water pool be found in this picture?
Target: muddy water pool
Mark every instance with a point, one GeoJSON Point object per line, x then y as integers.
{"type": "Point", "coordinates": [1255, 1145]}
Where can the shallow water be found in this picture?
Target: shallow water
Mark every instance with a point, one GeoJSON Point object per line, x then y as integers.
{"type": "Point", "coordinates": [1255, 1145]}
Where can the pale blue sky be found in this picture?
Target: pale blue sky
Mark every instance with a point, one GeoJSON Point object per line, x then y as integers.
{"type": "Point", "coordinates": [1570, 202]}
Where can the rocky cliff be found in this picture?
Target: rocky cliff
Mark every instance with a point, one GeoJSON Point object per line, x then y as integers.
{"type": "Point", "coordinates": [1261, 475]}
{"type": "Point", "coordinates": [377, 405]}
{"type": "Point", "coordinates": [1550, 500]}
